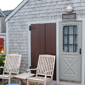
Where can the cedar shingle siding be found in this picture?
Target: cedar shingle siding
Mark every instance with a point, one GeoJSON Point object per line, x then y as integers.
{"type": "Point", "coordinates": [3, 25]}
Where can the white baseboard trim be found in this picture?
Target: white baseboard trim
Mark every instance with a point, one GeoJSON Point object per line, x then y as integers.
{"type": "Point", "coordinates": [69, 83]}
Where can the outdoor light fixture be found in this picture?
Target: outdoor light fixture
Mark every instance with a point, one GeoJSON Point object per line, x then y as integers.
{"type": "Point", "coordinates": [69, 9]}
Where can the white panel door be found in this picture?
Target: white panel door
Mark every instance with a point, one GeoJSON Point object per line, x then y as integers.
{"type": "Point", "coordinates": [70, 51]}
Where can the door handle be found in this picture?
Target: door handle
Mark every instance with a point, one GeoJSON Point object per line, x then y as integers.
{"type": "Point", "coordinates": [80, 51]}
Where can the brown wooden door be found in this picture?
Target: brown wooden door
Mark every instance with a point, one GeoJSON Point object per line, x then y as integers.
{"type": "Point", "coordinates": [37, 43]}
{"type": "Point", "coordinates": [43, 41]}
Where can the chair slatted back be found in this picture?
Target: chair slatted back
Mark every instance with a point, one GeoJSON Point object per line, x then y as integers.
{"type": "Point", "coordinates": [45, 63]}
{"type": "Point", "coordinates": [12, 62]}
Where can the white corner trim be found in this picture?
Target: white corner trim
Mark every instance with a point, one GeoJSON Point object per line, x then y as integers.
{"type": "Point", "coordinates": [29, 47]}
{"type": "Point", "coordinates": [7, 45]}
{"type": "Point", "coordinates": [83, 51]}
{"type": "Point", "coordinates": [57, 47]}
{"type": "Point", "coordinates": [15, 10]}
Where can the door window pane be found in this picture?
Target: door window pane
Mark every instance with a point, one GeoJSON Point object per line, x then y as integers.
{"type": "Point", "coordinates": [75, 39]}
{"type": "Point", "coordinates": [70, 48]}
{"type": "Point", "coordinates": [65, 48]}
{"type": "Point", "coordinates": [70, 29]}
{"type": "Point", "coordinates": [75, 48]}
{"type": "Point", "coordinates": [75, 29]}
{"type": "Point", "coordinates": [70, 38]}
{"type": "Point", "coordinates": [65, 30]}
{"type": "Point", "coordinates": [65, 39]}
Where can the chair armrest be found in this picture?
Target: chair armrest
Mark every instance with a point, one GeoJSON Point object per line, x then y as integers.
{"type": "Point", "coordinates": [1, 67]}
{"type": "Point", "coordinates": [48, 71]}
{"type": "Point", "coordinates": [10, 69]}
{"type": "Point", "coordinates": [31, 69]}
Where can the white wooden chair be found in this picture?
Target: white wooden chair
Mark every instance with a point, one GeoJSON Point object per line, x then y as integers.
{"type": "Point", "coordinates": [44, 68]}
{"type": "Point", "coordinates": [11, 67]}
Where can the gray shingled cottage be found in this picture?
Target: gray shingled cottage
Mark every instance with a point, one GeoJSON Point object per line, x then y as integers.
{"type": "Point", "coordinates": [50, 27]}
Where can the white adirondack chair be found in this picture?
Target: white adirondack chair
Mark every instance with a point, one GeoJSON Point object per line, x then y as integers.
{"type": "Point", "coordinates": [11, 67]}
{"type": "Point", "coordinates": [44, 68]}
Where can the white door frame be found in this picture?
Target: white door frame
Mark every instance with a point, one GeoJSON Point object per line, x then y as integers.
{"type": "Point", "coordinates": [57, 46]}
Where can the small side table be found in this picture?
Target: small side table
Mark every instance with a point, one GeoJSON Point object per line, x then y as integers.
{"type": "Point", "coordinates": [23, 76]}
{"type": "Point", "coordinates": [12, 84]}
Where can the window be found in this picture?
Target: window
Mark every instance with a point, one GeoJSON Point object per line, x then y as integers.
{"type": "Point", "coordinates": [70, 38]}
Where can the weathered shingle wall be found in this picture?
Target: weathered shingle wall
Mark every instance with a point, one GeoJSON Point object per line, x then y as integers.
{"type": "Point", "coordinates": [3, 25]}
{"type": "Point", "coordinates": [0, 24]}
{"type": "Point", "coordinates": [36, 10]}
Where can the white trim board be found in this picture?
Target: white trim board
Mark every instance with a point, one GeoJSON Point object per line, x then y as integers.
{"type": "Point", "coordinates": [67, 83]}
{"type": "Point", "coordinates": [3, 34]}
{"type": "Point", "coordinates": [7, 43]}
{"type": "Point", "coordinates": [16, 9]}
{"type": "Point", "coordinates": [2, 37]}
{"type": "Point", "coordinates": [83, 51]}
{"type": "Point", "coordinates": [29, 47]}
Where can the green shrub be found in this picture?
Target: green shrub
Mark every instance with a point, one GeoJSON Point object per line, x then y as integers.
{"type": "Point", "coordinates": [2, 58]}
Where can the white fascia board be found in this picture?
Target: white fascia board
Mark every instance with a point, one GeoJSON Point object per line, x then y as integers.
{"type": "Point", "coordinates": [15, 10]}
{"type": "Point", "coordinates": [2, 13]}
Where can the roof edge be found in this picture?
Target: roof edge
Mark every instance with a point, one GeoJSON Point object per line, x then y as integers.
{"type": "Point", "coordinates": [15, 10]}
{"type": "Point", "coordinates": [2, 13]}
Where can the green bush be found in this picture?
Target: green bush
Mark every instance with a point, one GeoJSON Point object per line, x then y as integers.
{"type": "Point", "coordinates": [1, 61]}
{"type": "Point", "coordinates": [2, 58]}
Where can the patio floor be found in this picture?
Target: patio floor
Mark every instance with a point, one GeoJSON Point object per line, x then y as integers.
{"type": "Point", "coordinates": [14, 81]}
{"type": "Point", "coordinates": [32, 83]}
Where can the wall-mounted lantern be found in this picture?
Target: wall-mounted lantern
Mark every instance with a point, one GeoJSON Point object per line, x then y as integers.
{"type": "Point", "coordinates": [69, 9]}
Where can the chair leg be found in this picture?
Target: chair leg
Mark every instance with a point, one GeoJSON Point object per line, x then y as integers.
{"type": "Point", "coordinates": [2, 81]}
{"type": "Point", "coordinates": [36, 83]}
{"type": "Point", "coordinates": [9, 81]}
{"type": "Point", "coordinates": [17, 81]}
{"type": "Point", "coordinates": [51, 82]}
{"type": "Point", "coordinates": [28, 82]}
{"type": "Point", "coordinates": [44, 82]}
